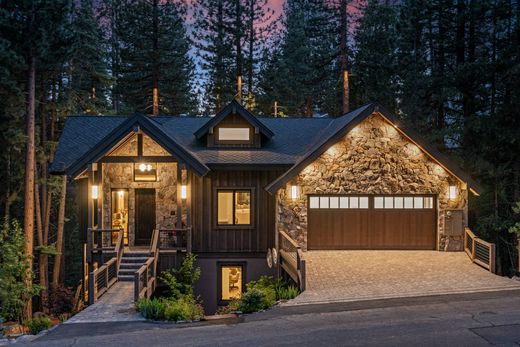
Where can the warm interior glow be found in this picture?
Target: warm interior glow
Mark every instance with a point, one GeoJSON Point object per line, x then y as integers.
{"type": "Point", "coordinates": [453, 192]}
{"type": "Point", "coordinates": [120, 214]}
{"type": "Point", "coordinates": [231, 282]}
{"type": "Point", "coordinates": [234, 207]}
{"type": "Point", "coordinates": [95, 192]}
{"type": "Point", "coordinates": [184, 191]}
{"type": "Point", "coordinates": [233, 134]}
{"type": "Point", "coordinates": [294, 192]}
{"type": "Point", "coordinates": [145, 172]}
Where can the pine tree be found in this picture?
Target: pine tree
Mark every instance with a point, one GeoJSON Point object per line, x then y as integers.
{"type": "Point", "coordinates": [375, 63]}
{"type": "Point", "coordinates": [155, 70]}
{"type": "Point", "coordinates": [88, 56]}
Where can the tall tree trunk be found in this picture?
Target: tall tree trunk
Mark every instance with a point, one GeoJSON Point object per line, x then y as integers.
{"type": "Point", "coordinates": [7, 212]}
{"type": "Point", "coordinates": [155, 72]}
{"type": "Point", "coordinates": [56, 273]}
{"type": "Point", "coordinates": [250, 63]}
{"type": "Point", "coordinates": [42, 260]}
{"type": "Point", "coordinates": [344, 57]}
{"type": "Point", "coordinates": [28, 221]}
{"type": "Point", "coordinates": [238, 47]}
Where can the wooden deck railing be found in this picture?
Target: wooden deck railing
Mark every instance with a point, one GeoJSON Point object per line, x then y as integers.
{"type": "Point", "coordinates": [97, 244]}
{"type": "Point", "coordinates": [145, 279]}
{"type": "Point", "coordinates": [291, 259]}
{"type": "Point", "coordinates": [479, 251]}
{"type": "Point", "coordinates": [175, 239]}
{"type": "Point", "coordinates": [104, 277]}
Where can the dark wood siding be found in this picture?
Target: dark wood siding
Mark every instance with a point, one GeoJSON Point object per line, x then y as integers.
{"type": "Point", "coordinates": [208, 237]}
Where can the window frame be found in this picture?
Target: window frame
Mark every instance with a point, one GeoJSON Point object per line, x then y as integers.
{"type": "Point", "coordinates": [234, 190]}
{"type": "Point", "coordinates": [220, 265]}
{"type": "Point", "coordinates": [220, 142]}
{"type": "Point", "coordinates": [339, 206]}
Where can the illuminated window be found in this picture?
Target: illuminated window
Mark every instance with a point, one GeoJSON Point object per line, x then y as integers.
{"type": "Point", "coordinates": [234, 134]}
{"type": "Point", "coordinates": [234, 207]}
{"type": "Point", "coordinates": [145, 172]}
{"type": "Point", "coordinates": [231, 281]}
{"type": "Point", "coordinates": [119, 200]}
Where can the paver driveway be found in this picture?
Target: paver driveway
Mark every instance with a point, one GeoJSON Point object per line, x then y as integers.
{"type": "Point", "coordinates": [364, 275]}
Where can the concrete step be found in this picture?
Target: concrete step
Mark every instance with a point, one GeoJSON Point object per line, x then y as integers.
{"type": "Point", "coordinates": [125, 278]}
{"type": "Point", "coordinates": [130, 254]}
{"type": "Point", "coordinates": [133, 260]}
{"type": "Point", "coordinates": [126, 272]}
{"type": "Point", "coordinates": [129, 266]}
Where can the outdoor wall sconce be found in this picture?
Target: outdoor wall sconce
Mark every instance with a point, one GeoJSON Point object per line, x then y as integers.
{"type": "Point", "coordinates": [184, 192]}
{"type": "Point", "coordinates": [294, 192]}
{"type": "Point", "coordinates": [95, 192]}
{"type": "Point", "coordinates": [452, 192]}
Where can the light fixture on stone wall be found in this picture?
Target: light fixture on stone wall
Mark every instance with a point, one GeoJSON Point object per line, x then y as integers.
{"type": "Point", "coordinates": [145, 167]}
{"type": "Point", "coordinates": [184, 191]}
{"type": "Point", "coordinates": [95, 192]}
{"type": "Point", "coordinates": [294, 192]}
{"type": "Point", "coordinates": [452, 193]}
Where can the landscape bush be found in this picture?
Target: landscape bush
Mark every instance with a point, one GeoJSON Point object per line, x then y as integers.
{"type": "Point", "coordinates": [38, 324]}
{"type": "Point", "coordinates": [180, 303]}
{"type": "Point", "coordinates": [261, 295]}
{"type": "Point", "coordinates": [151, 308]}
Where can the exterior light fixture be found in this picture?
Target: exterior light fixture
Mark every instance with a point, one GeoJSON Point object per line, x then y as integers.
{"type": "Point", "coordinates": [294, 192]}
{"type": "Point", "coordinates": [142, 167]}
{"type": "Point", "coordinates": [452, 192]}
{"type": "Point", "coordinates": [121, 193]}
{"type": "Point", "coordinates": [95, 192]}
{"type": "Point", "coordinates": [184, 191]}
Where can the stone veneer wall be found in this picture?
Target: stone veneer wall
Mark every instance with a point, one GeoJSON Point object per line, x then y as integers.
{"type": "Point", "coordinates": [374, 158]}
{"type": "Point", "coordinates": [120, 176]}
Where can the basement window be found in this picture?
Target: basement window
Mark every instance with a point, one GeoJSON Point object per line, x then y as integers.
{"type": "Point", "coordinates": [231, 281]}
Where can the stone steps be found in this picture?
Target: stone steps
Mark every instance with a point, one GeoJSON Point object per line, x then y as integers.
{"type": "Point", "coordinates": [131, 261]}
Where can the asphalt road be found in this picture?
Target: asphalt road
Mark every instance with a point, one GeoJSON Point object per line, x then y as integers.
{"type": "Point", "coordinates": [476, 320]}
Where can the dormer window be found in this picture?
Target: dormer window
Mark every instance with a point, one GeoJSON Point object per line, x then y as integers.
{"type": "Point", "coordinates": [234, 127]}
{"type": "Point", "coordinates": [234, 134]}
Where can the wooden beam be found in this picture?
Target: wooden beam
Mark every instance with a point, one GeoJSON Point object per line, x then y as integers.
{"type": "Point", "coordinates": [137, 159]}
{"type": "Point", "coordinates": [139, 144]}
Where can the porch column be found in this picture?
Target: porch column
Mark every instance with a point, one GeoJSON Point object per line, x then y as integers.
{"type": "Point", "coordinates": [179, 199]}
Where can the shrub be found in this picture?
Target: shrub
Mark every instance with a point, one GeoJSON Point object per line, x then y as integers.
{"type": "Point", "coordinates": [183, 309]}
{"type": "Point", "coordinates": [61, 300]}
{"type": "Point", "coordinates": [232, 307]}
{"type": "Point", "coordinates": [151, 308]}
{"type": "Point", "coordinates": [13, 271]}
{"type": "Point", "coordinates": [252, 301]}
{"type": "Point", "coordinates": [266, 286]}
{"type": "Point", "coordinates": [38, 324]}
{"type": "Point", "coordinates": [180, 281]}
{"type": "Point", "coordinates": [287, 292]}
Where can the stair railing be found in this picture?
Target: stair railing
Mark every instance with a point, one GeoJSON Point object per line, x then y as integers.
{"type": "Point", "coordinates": [145, 278]}
{"type": "Point", "coordinates": [104, 277]}
{"type": "Point", "coordinates": [291, 259]}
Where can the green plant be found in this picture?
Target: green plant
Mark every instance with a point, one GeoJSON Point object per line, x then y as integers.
{"type": "Point", "coordinates": [515, 229]}
{"type": "Point", "coordinates": [151, 308]}
{"type": "Point", "coordinates": [183, 309]}
{"type": "Point", "coordinates": [252, 301]}
{"type": "Point", "coordinates": [14, 269]}
{"type": "Point", "coordinates": [61, 300]}
{"type": "Point", "coordinates": [287, 292]}
{"type": "Point", "coordinates": [266, 286]}
{"type": "Point", "coordinates": [180, 281]}
{"type": "Point", "coordinates": [38, 324]}
{"type": "Point", "coordinates": [232, 307]}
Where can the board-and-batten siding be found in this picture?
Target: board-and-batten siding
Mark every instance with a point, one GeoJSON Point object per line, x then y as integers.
{"type": "Point", "coordinates": [207, 237]}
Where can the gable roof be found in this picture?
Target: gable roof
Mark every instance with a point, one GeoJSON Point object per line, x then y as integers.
{"type": "Point", "coordinates": [234, 107]}
{"type": "Point", "coordinates": [118, 130]}
{"type": "Point", "coordinates": [341, 126]}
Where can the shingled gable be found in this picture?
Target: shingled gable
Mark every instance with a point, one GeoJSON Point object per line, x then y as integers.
{"type": "Point", "coordinates": [234, 107]}
{"type": "Point", "coordinates": [149, 127]}
{"type": "Point", "coordinates": [343, 125]}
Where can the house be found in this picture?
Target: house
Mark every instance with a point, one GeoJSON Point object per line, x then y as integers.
{"type": "Point", "coordinates": [235, 189]}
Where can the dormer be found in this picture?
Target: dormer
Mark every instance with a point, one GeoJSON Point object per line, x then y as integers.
{"type": "Point", "coordinates": [233, 127]}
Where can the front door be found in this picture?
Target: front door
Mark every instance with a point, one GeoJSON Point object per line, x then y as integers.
{"type": "Point", "coordinates": [144, 215]}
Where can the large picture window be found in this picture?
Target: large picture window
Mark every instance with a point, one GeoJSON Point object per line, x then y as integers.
{"type": "Point", "coordinates": [234, 207]}
{"type": "Point", "coordinates": [234, 134]}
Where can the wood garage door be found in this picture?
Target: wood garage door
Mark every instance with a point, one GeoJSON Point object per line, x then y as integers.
{"type": "Point", "coordinates": [371, 222]}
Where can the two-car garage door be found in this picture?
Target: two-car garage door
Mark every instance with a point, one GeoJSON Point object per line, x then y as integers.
{"type": "Point", "coordinates": [371, 222]}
